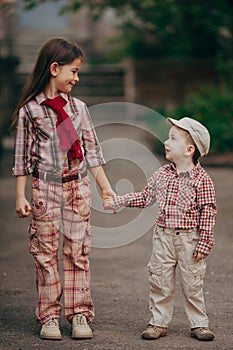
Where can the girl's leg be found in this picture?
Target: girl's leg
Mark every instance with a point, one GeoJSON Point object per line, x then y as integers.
{"type": "Point", "coordinates": [44, 242]}
{"type": "Point", "coordinates": [76, 246]}
{"type": "Point", "coordinates": [162, 279]}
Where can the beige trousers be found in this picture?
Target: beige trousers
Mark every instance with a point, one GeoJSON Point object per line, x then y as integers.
{"type": "Point", "coordinates": [172, 248]}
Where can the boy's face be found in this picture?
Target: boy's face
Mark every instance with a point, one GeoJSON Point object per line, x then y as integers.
{"type": "Point", "coordinates": [177, 147]}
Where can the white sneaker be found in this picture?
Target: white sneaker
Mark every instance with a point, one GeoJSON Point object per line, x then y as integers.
{"type": "Point", "coordinates": [80, 327]}
{"type": "Point", "coordinates": [51, 330]}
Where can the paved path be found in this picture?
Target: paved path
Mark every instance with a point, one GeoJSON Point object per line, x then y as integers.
{"type": "Point", "coordinates": [119, 287]}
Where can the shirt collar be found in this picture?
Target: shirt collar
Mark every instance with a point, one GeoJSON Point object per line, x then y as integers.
{"type": "Point", "coordinates": [190, 173]}
{"type": "Point", "coordinates": [42, 97]}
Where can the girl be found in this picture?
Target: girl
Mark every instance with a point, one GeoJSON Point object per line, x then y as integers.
{"type": "Point", "coordinates": [56, 142]}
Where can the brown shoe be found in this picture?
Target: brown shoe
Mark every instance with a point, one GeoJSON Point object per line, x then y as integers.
{"type": "Point", "coordinates": [202, 333]}
{"type": "Point", "coordinates": [153, 332]}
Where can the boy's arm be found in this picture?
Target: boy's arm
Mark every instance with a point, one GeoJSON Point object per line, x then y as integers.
{"type": "Point", "coordinates": [143, 199]}
{"type": "Point", "coordinates": [23, 207]}
{"type": "Point", "coordinates": [208, 210]}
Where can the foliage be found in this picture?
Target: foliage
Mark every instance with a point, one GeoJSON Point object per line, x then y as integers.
{"type": "Point", "coordinates": [213, 107]}
{"type": "Point", "coordinates": [163, 28]}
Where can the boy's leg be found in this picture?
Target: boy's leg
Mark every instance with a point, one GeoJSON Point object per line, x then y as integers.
{"type": "Point", "coordinates": [192, 276]}
{"type": "Point", "coordinates": [76, 246]}
{"type": "Point", "coordinates": [162, 279]}
{"type": "Point", "coordinates": [44, 241]}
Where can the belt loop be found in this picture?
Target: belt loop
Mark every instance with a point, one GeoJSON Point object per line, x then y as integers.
{"type": "Point", "coordinates": [45, 176]}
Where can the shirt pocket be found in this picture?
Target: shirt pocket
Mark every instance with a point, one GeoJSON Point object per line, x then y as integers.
{"type": "Point", "coordinates": [187, 196]}
{"type": "Point", "coordinates": [43, 127]}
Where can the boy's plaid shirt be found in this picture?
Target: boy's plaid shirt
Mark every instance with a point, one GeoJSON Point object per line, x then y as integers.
{"type": "Point", "coordinates": [186, 200]}
{"type": "Point", "coordinates": [37, 142]}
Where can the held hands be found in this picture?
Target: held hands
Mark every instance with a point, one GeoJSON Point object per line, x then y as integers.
{"type": "Point", "coordinates": [23, 207]}
{"type": "Point", "coordinates": [107, 198]}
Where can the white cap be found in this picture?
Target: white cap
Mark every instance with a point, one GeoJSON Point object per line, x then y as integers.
{"type": "Point", "coordinates": [197, 131]}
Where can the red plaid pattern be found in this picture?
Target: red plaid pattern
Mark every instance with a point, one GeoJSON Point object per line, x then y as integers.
{"type": "Point", "coordinates": [61, 207]}
{"type": "Point", "coordinates": [186, 200]}
{"type": "Point", "coordinates": [37, 142]}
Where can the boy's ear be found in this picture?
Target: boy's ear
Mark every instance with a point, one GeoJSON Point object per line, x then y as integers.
{"type": "Point", "coordinates": [54, 69]}
{"type": "Point", "coordinates": [190, 150]}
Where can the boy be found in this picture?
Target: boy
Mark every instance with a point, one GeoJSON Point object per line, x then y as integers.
{"type": "Point", "coordinates": [183, 233]}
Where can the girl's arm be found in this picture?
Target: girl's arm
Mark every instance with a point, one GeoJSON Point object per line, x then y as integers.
{"type": "Point", "coordinates": [102, 181]}
{"type": "Point", "coordinates": [23, 207]}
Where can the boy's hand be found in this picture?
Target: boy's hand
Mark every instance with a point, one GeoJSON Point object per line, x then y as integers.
{"type": "Point", "coordinates": [23, 207]}
{"type": "Point", "coordinates": [199, 256]}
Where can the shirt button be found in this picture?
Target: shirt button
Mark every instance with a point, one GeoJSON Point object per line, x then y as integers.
{"type": "Point", "coordinates": [65, 171]}
{"type": "Point", "coordinates": [177, 233]}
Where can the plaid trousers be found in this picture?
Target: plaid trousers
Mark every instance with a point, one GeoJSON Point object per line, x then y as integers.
{"type": "Point", "coordinates": [61, 207]}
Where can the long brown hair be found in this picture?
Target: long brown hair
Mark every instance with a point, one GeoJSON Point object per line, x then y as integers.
{"type": "Point", "coordinates": [55, 50]}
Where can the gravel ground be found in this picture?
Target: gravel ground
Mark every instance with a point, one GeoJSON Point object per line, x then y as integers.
{"type": "Point", "coordinates": [119, 287]}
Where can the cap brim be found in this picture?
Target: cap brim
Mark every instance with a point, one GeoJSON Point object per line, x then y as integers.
{"type": "Point", "coordinates": [173, 121]}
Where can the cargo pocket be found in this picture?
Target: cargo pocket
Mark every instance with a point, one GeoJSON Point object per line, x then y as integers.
{"type": "Point", "coordinates": [39, 198]}
{"type": "Point", "coordinates": [196, 276]}
{"type": "Point", "coordinates": [86, 247]}
{"type": "Point", "coordinates": [33, 240]}
{"type": "Point", "coordinates": [81, 202]}
{"type": "Point", "coordinates": [155, 275]}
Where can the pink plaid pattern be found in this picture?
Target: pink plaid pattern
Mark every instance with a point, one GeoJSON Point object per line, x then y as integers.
{"type": "Point", "coordinates": [37, 142]}
{"type": "Point", "coordinates": [65, 207]}
{"type": "Point", "coordinates": [185, 201]}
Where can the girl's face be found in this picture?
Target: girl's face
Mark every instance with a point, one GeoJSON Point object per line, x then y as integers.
{"type": "Point", "coordinates": [176, 147]}
{"type": "Point", "coordinates": [66, 76]}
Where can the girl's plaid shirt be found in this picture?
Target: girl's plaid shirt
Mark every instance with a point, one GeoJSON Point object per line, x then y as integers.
{"type": "Point", "coordinates": [185, 201]}
{"type": "Point", "coordinates": [37, 142]}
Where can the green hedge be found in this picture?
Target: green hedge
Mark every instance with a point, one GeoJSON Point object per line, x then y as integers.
{"type": "Point", "coordinates": [213, 107]}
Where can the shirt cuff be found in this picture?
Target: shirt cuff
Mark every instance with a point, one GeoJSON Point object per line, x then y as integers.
{"type": "Point", "coordinates": [21, 172]}
{"type": "Point", "coordinates": [203, 247]}
{"type": "Point", "coordinates": [205, 243]}
{"type": "Point", "coordinates": [119, 201]}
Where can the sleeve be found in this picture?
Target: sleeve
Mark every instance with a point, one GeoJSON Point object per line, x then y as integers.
{"type": "Point", "coordinates": [93, 152]}
{"type": "Point", "coordinates": [143, 199]}
{"type": "Point", "coordinates": [208, 210]}
{"type": "Point", "coordinates": [24, 142]}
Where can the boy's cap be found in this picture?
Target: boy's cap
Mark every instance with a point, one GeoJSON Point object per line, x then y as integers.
{"type": "Point", "coordinates": [197, 131]}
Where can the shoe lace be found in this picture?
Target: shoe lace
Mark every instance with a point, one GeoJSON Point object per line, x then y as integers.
{"type": "Point", "coordinates": [80, 320]}
{"type": "Point", "coordinates": [52, 322]}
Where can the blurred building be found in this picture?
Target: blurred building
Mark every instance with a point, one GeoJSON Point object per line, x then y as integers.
{"type": "Point", "coordinates": [98, 84]}
{"type": "Point", "coordinates": [154, 83]}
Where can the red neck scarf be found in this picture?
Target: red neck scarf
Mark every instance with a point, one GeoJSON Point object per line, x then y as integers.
{"type": "Point", "coordinates": [69, 141]}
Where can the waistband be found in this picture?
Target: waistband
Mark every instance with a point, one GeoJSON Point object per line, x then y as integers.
{"type": "Point", "coordinates": [176, 231]}
{"type": "Point", "coordinates": [47, 176]}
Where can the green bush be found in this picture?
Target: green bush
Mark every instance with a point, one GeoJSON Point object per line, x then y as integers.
{"type": "Point", "coordinates": [213, 107]}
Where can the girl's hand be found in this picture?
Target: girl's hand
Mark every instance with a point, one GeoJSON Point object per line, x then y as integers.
{"type": "Point", "coordinates": [108, 202]}
{"type": "Point", "coordinates": [23, 207]}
